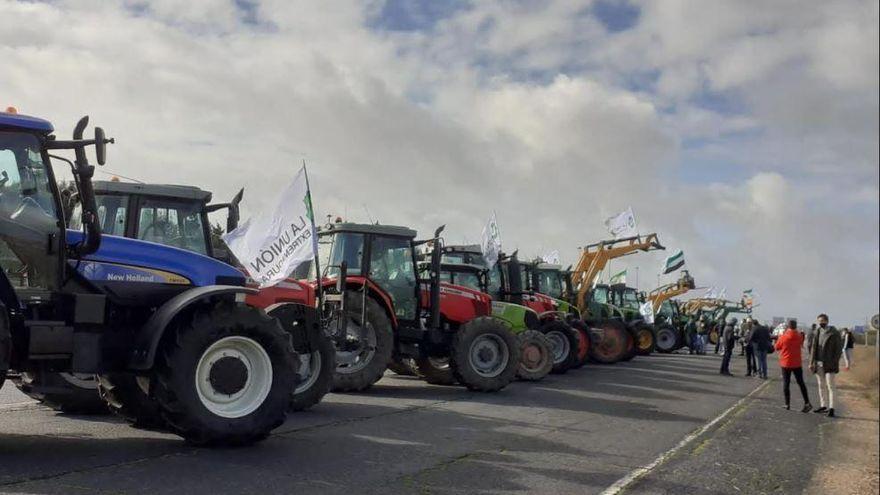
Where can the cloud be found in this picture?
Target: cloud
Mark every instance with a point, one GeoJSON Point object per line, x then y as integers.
{"type": "Point", "coordinates": [535, 110]}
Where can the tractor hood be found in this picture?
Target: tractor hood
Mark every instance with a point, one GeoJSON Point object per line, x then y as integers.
{"type": "Point", "coordinates": [121, 259]}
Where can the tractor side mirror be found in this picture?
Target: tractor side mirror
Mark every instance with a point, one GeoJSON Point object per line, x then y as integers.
{"type": "Point", "coordinates": [100, 146]}
{"type": "Point", "coordinates": [234, 214]}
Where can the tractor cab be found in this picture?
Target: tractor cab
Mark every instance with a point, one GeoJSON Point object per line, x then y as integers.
{"type": "Point", "coordinates": [626, 299]}
{"type": "Point", "coordinates": [382, 307]}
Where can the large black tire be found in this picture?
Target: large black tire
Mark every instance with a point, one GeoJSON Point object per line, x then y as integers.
{"type": "Point", "coordinates": [126, 398]}
{"type": "Point", "coordinates": [537, 357]}
{"type": "Point", "coordinates": [564, 345]}
{"type": "Point", "coordinates": [645, 339]}
{"type": "Point", "coordinates": [584, 342]}
{"type": "Point", "coordinates": [370, 366]}
{"type": "Point", "coordinates": [485, 355]}
{"type": "Point", "coordinates": [436, 371]}
{"type": "Point", "coordinates": [610, 340]}
{"type": "Point", "coordinates": [65, 392]}
{"type": "Point", "coordinates": [402, 366]}
{"type": "Point", "coordinates": [317, 366]}
{"type": "Point", "coordinates": [631, 350]}
{"type": "Point", "coordinates": [667, 339]}
{"type": "Point", "coordinates": [225, 351]}
{"type": "Point", "coordinates": [5, 344]}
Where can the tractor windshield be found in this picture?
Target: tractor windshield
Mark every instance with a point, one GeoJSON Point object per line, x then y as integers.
{"type": "Point", "coordinates": [470, 280]}
{"type": "Point", "coordinates": [600, 295]}
{"type": "Point", "coordinates": [336, 248]}
{"type": "Point", "coordinates": [112, 214]}
{"type": "Point", "coordinates": [392, 268]}
{"type": "Point", "coordinates": [28, 215]}
{"type": "Point", "coordinates": [495, 281]}
{"type": "Point", "coordinates": [630, 299]}
{"type": "Point", "coordinates": [172, 223]}
{"type": "Point", "coordinates": [550, 283]}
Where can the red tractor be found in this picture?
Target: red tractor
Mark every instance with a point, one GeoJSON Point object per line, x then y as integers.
{"type": "Point", "coordinates": [378, 308]}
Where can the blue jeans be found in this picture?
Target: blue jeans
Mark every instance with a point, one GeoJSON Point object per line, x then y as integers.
{"type": "Point", "coordinates": [761, 356]}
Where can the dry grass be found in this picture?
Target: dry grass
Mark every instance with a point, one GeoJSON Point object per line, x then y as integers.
{"type": "Point", "coordinates": [865, 373]}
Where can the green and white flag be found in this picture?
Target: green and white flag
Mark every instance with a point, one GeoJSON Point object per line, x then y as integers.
{"type": "Point", "coordinates": [674, 262]}
{"type": "Point", "coordinates": [273, 243]}
{"type": "Point", "coordinates": [619, 277]}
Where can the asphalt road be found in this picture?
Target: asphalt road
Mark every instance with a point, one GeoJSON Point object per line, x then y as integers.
{"type": "Point", "coordinates": [576, 433]}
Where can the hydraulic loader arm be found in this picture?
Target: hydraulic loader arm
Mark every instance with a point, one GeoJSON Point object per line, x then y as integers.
{"type": "Point", "coordinates": [681, 286]}
{"type": "Point", "coordinates": [595, 257]}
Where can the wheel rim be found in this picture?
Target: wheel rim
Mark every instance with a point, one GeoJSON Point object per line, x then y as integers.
{"type": "Point", "coordinates": [233, 377]}
{"type": "Point", "coordinates": [665, 340]}
{"type": "Point", "coordinates": [583, 344]}
{"type": "Point", "coordinates": [559, 346]}
{"type": "Point", "coordinates": [532, 357]}
{"type": "Point", "coordinates": [609, 343]}
{"type": "Point", "coordinates": [81, 380]}
{"type": "Point", "coordinates": [488, 355]}
{"type": "Point", "coordinates": [309, 371]}
{"type": "Point", "coordinates": [646, 340]}
{"type": "Point", "coordinates": [353, 361]}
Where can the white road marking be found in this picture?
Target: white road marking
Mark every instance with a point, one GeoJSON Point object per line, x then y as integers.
{"type": "Point", "coordinates": [637, 473]}
{"type": "Point", "coordinates": [18, 406]}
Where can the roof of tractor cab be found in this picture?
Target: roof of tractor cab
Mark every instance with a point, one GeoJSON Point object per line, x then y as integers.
{"type": "Point", "coordinates": [548, 266]}
{"type": "Point", "coordinates": [14, 121]}
{"type": "Point", "coordinates": [462, 267]}
{"type": "Point", "coordinates": [163, 190]}
{"type": "Point", "coordinates": [368, 228]}
{"type": "Point", "coordinates": [463, 248]}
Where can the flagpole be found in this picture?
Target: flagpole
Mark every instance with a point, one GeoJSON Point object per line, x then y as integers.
{"type": "Point", "coordinates": [319, 289]}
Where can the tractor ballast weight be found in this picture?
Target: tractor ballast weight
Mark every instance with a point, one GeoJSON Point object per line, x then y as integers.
{"type": "Point", "coordinates": [76, 302]}
{"type": "Point", "coordinates": [379, 307]}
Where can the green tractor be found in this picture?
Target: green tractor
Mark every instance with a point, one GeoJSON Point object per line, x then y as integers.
{"type": "Point", "coordinates": [621, 303]}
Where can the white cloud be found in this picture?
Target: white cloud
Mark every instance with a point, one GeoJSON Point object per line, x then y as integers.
{"type": "Point", "coordinates": [531, 111]}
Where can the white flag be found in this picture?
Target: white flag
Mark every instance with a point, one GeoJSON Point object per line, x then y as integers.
{"type": "Point", "coordinates": [273, 243]}
{"type": "Point", "coordinates": [552, 258]}
{"type": "Point", "coordinates": [647, 311]}
{"type": "Point", "coordinates": [490, 241]}
{"type": "Point", "coordinates": [622, 225]}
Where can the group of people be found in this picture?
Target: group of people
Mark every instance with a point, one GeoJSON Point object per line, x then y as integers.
{"type": "Point", "coordinates": [826, 345]}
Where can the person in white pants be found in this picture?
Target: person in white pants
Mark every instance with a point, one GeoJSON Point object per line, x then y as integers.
{"type": "Point", "coordinates": [825, 350]}
{"type": "Point", "coordinates": [848, 344]}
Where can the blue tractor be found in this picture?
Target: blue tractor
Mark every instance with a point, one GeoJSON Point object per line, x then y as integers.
{"type": "Point", "coordinates": [169, 326]}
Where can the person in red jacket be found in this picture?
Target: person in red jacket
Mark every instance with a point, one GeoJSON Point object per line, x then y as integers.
{"type": "Point", "coordinates": [789, 346]}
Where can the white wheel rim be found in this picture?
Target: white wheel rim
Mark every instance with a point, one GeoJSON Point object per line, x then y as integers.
{"type": "Point", "coordinates": [309, 370]}
{"type": "Point", "coordinates": [81, 380]}
{"type": "Point", "coordinates": [251, 394]}
{"type": "Point", "coordinates": [489, 355]}
{"type": "Point", "coordinates": [560, 346]}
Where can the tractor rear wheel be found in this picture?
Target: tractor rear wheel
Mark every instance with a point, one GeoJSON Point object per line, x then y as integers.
{"type": "Point", "coordinates": [127, 398]}
{"type": "Point", "coordinates": [402, 366]}
{"type": "Point", "coordinates": [631, 349]}
{"type": "Point", "coordinates": [225, 375]}
{"type": "Point", "coordinates": [564, 344]}
{"type": "Point", "coordinates": [667, 339]}
{"type": "Point", "coordinates": [610, 339]}
{"type": "Point", "coordinates": [583, 350]}
{"type": "Point", "coordinates": [363, 356]}
{"type": "Point", "coordinates": [317, 363]}
{"type": "Point", "coordinates": [537, 357]}
{"type": "Point", "coordinates": [645, 340]}
{"type": "Point", "coordinates": [66, 392]}
{"type": "Point", "coordinates": [485, 355]}
{"type": "Point", "coordinates": [435, 370]}
{"type": "Point", "coordinates": [713, 337]}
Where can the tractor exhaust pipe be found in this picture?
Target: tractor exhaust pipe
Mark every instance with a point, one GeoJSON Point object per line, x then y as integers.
{"type": "Point", "coordinates": [436, 257]}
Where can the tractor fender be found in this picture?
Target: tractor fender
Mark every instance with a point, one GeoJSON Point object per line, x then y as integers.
{"type": "Point", "coordinates": [555, 315]}
{"type": "Point", "coordinates": [147, 339]}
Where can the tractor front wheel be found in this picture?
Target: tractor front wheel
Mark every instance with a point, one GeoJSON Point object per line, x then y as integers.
{"type": "Point", "coordinates": [537, 356]}
{"type": "Point", "coordinates": [584, 342]}
{"type": "Point", "coordinates": [66, 392]}
{"type": "Point", "coordinates": [435, 370]}
{"type": "Point", "coordinates": [667, 339]}
{"type": "Point", "coordinates": [610, 341]}
{"type": "Point", "coordinates": [564, 342]}
{"type": "Point", "coordinates": [645, 340]}
{"type": "Point", "coordinates": [485, 355]}
{"type": "Point", "coordinates": [363, 353]}
{"type": "Point", "coordinates": [225, 377]}
{"type": "Point", "coordinates": [402, 366]}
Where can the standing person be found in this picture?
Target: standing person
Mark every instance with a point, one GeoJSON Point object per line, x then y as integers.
{"type": "Point", "coordinates": [719, 329]}
{"type": "Point", "coordinates": [747, 328]}
{"type": "Point", "coordinates": [789, 346]}
{"type": "Point", "coordinates": [703, 334]}
{"type": "Point", "coordinates": [729, 338]}
{"type": "Point", "coordinates": [848, 344]}
{"type": "Point", "coordinates": [762, 344]}
{"type": "Point", "coordinates": [825, 350]}
{"type": "Point", "coordinates": [690, 334]}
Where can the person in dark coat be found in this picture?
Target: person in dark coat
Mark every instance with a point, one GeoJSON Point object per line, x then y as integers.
{"type": "Point", "coordinates": [690, 335]}
{"type": "Point", "coordinates": [761, 344]}
{"type": "Point", "coordinates": [825, 350]}
{"type": "Point", "coordinates": [746, 340]}
{"type": "Point", "coordinates": [729, 338]}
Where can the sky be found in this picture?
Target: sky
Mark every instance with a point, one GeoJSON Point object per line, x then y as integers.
{"type": "Point", "coordinates": [744, 133]}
